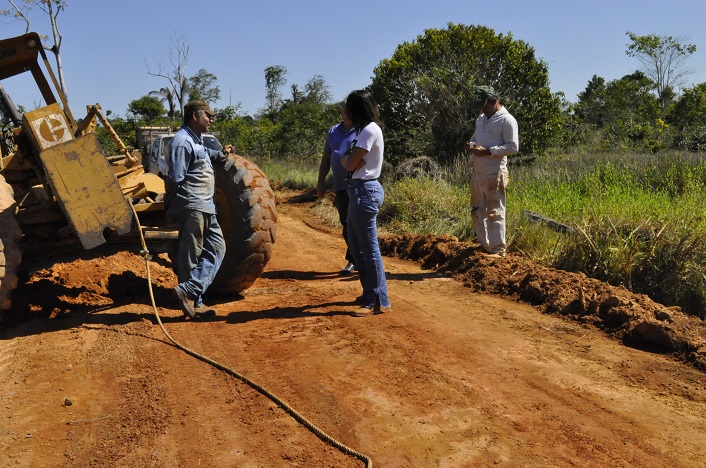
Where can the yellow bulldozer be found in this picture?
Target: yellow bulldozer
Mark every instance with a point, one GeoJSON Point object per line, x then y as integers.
{"type": "Point", "coordinates": [59, 191]}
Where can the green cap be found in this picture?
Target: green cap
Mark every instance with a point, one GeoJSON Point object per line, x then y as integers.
{"type": "Point", "coordinates": [483, 93]}
{"type": "Point", "coordinates": [193, 106]}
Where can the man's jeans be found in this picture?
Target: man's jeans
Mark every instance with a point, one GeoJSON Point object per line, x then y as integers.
{"type": "Point", "coordinates": [365, 200]}
{"type": "Point", "coordinates": [201, 251]}
{"type": "Point", "coordinates": [340, 201]}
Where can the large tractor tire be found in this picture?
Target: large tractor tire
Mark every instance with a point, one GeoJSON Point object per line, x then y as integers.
{"type": "Point", "coordinates": [10, 254]}
{"type": "Point", "coordinates": [246, 211]}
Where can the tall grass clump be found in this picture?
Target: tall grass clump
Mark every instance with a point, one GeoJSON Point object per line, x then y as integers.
{"type": "Point", "coordinates": [665, 262]}
{"type": "Point", "coordinates": [636, 220]}
{"type": "Point", "coordinates": [426, 206]}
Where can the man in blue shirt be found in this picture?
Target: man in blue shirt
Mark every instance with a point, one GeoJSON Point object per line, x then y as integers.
{"type": "Point", "coordinates": [191, 185]}
{"type": "Point", "coordinates": [338, 141]}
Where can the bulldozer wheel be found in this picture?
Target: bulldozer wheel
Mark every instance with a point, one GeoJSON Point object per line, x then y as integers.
{"type": "Point", "coordinates": [10, 254]}
{"type": "Point", "coordinates": [246, 211]}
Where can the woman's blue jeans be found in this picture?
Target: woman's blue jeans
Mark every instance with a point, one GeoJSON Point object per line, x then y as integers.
{"type": "Point", "coordinates": [365, 200]}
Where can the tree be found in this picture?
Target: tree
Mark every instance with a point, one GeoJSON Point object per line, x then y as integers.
{"type": "Point", "coordinates": [690, 109]}
{"type": "Point", "coordinates": [425, 91]}
{"type": "Point", "coordinates": [631, 109]}
{"type": "Point", "coordinates": [274, 80]}
{"type": "Point", "coordinates": [688, 116]}
{"type": "Point", "coordinates": [178, 57]}
{"type": "Point", "coordinates": [664, 62]}
{"type": "Point", "coordinates": [52, 8]}
{"type": "Point", "coordinates": [297, 94]}
{"type": "Point", "coordinates": [573, 132]}
{"type": "Point", "coordinates": [203, 86]}
{"type": "Point", "coordinates": [124, 128]}
{"type": "Point", "coordinates": [146, 109]}
{"type": "Point", "coordinates": [300, 130]}
{"type": "Point", "coordinates": [166, 95]}
{"type": "Point", "coordinates": [230, 112]}
{"type": "Point", "coordinates": [592, 102]}
{"type": "Point", "coordinates": [623, 110]}
{"type": "Point", "coordinates": [317, 91]}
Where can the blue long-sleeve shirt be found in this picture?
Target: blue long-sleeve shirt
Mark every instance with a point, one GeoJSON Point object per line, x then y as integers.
{"type": "Point", "coordinates": [338, 141]}
{"type": "Point", "coordinates": [190, 178]}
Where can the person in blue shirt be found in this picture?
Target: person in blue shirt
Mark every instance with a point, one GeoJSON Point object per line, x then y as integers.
{"type": "Point", "coordinates": [191, 184]}
{"type": "Point", "coordinates": [338, 140]}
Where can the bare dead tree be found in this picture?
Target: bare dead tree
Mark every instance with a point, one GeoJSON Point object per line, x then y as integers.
{"type": "Point", "coordinates": [52, 8]}
{"type": "Point", "coordinates": [178, 57]}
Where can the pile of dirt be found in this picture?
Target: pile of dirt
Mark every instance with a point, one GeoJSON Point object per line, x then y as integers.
{"type": "Point", "coordinates": [634, 319]}
{"type": "Point", "coordinates": [93, 279]}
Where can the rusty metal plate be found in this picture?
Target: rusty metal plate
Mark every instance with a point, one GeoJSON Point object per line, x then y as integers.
{"type": "Point", "coordinates": [87, 189]}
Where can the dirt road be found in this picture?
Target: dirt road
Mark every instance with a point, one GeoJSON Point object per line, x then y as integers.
{"type": "Point", "coordinates": [450, 378]}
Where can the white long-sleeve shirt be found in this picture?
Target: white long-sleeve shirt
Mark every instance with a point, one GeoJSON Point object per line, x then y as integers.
{"type": "Point", "coordinates": [499, 133]}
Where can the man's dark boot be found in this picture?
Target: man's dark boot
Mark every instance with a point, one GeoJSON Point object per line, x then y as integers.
{"type": "Point", "coordinates": [185, 302]}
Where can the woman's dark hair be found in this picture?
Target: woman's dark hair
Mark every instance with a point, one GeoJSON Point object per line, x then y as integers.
{"type": "Point", "coordinates": [362, 109]}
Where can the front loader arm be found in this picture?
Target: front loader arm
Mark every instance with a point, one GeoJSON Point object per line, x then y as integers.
{"type": "Point", "coordinates": [95, 111]}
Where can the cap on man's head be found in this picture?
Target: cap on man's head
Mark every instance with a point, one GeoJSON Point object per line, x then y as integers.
{"type": "Point", "coordinates": [483, 93]}
{"type": "Point", "coordinates": [193, 106]}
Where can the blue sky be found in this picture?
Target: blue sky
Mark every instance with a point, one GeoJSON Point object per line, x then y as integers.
{"type": "Point", "coordinates": [108, 45]}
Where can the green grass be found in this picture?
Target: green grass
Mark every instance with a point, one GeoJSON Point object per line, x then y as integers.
{"type": "Point", "coordinates": [637, 220]}
{"type": "Point", "coordinates": [299, 175]}
{"type": "Point", "coordinates": [425, 206]}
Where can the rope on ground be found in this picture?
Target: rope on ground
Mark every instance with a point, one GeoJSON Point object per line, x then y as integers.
{"type": "Point", "coordinates": [281, 403]}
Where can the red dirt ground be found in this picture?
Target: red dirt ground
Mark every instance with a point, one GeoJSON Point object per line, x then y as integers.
{"type": "Point", "coordinates": [481, 363]}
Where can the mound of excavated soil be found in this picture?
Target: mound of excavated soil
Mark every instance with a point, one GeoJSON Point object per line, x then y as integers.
{"type": "Point", "coordinates": [633, 318]}
{"type": "Point", "coordinates": [90, 280]}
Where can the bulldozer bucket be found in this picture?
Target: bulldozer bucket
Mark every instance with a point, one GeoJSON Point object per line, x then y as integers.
{"type": "Point", "coordinates": [87, 189]}
{"type": "Point", "coordinates": [80, 176]}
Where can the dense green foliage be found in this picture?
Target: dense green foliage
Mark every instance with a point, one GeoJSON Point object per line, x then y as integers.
{"type": "Point", "coordinates": [146, 108]}
{"type": "Point", "coordinates": [425, 91]}
{"type": "Point", "coordinates": [126, 129]}
{"type": "Point", "coordinates": [642, 110]}
{"type": "Point", "coordinates": [688, 117]}
{"type": "Point", "coordinates": [296, 131]}
{"type": "Point", "coordinates": [425, 95]}
{"type": "Point", "coordinates": [623, 112]}
{"type": "Point", "coordinates": [203, 86]}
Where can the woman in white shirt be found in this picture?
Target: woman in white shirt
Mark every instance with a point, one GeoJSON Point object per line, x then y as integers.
{"type": "Point", "coordinates": [364, 162]}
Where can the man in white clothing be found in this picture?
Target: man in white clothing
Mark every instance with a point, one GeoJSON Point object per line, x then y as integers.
{"type": "Point", "coordinates": [495, 138]}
